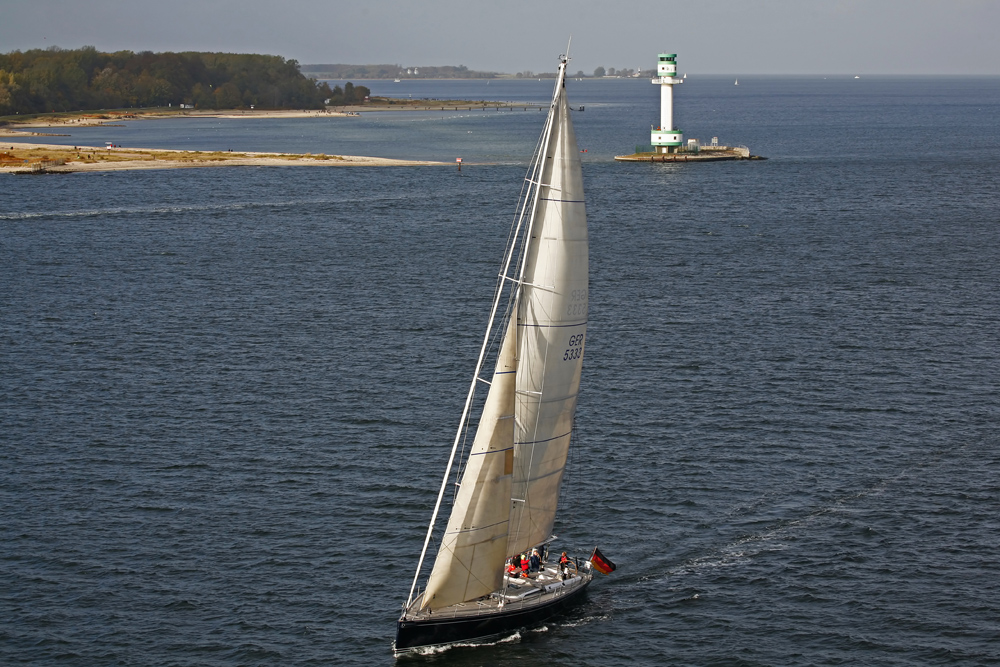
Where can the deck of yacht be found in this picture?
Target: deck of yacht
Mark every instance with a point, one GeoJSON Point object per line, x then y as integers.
{"type": "Point", "coordinates": [518, 594]}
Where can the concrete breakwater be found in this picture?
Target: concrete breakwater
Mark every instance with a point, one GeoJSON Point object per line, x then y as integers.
{"type": "Point", "coordinates": [701, 156]}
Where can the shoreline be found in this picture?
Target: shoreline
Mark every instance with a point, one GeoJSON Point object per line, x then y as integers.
{"type": "Point", "coordinates": [23, 155]}
{"type": "Point", "coordinates": [39, 158]}
{"type": "Point", "coordinates": [109, 118]}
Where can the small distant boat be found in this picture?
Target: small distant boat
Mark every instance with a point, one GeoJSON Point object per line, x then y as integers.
{"type": "Point", "coordinates": [857, 77]}
{"type": "Point", "coordinates": [396, 81]}
{"type": "Point", "coordinates": [737, 82]}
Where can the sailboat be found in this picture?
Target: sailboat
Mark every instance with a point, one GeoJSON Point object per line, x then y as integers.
{"type": "Point", "coordinates": [507, 490]}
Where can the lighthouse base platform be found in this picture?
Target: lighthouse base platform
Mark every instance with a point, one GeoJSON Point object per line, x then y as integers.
{"type": "Point", "coordinates": [690, 156]}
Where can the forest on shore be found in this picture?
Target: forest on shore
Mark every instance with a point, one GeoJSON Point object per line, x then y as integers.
{"type": "Point", "coordinates": [57, 80]}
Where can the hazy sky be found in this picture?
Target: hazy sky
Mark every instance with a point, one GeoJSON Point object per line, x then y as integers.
{"type": "Point", "coordinates": [709, 36]}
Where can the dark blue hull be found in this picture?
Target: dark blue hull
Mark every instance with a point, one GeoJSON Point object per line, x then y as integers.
{"type": "Point", "coordinates": [414, 634]}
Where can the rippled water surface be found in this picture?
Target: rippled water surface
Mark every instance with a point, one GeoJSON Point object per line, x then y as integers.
{"type": "Point", "coordinates": [227, 395]}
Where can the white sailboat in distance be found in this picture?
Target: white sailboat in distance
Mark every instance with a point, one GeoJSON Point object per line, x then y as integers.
{"type": "Point", "coordinates": [508, 481]}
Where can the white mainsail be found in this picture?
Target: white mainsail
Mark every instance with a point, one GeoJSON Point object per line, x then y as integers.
{"type": "Point", "coordinates": [507, 497]}
{"type": "Point", "coordinates": [552, 320]}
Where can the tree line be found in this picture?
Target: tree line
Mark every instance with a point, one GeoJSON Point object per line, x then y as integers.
{"type": "Point", "coordinates": [54, 79]}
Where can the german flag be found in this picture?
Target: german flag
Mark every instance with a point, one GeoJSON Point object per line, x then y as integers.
{"type": "Point", "coordinates": [602, 564]}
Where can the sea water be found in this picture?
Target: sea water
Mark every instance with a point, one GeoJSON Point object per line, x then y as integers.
{"type": "Point", "coordinates": [227, 395]}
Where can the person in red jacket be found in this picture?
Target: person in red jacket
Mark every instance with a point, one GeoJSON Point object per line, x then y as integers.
{"type": "Point", "coordinates": [564, 565]}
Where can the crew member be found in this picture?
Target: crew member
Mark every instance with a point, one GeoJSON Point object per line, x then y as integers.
{"type": "Point", "coordinates": [564, 565]}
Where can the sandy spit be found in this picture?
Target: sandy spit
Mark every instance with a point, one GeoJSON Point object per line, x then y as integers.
{"type": "Point", "coordinates": [122, 159]}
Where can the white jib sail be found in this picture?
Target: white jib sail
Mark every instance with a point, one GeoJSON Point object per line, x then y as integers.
{"type": "Point", "coordinates": [469, 563]}
{"type": "Point", "coordinates": [552, 324]}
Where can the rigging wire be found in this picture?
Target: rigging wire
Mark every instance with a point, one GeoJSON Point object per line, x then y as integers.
{"type": "Point", "coordinates": [516, 247]}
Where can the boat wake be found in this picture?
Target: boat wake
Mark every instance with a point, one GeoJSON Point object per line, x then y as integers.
{"type": "Point", "coordinates": [740, 552]}
{"type": "Point", "coordinates": [583, 620]}
{"type": "Point", "coordinates": [424, 651]}
{"type": "Point", "coordinates": [772, 538]}
{"type": "Point", "coordinates": [515, 638]}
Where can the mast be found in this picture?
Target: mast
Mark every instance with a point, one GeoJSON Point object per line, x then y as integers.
{"type": "Point", "coordinates": [530, 200]}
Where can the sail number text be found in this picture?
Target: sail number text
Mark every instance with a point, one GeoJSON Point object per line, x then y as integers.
{"type": "Point", "coordinates": [575, 348]}
{"type": "Point", "coordinates": [578, 303]}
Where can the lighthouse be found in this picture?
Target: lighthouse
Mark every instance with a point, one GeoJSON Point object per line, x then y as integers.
{"type": "Point", "coordinates": [666, 138]}
{"type": "Point", "coordinates": [668, 141]}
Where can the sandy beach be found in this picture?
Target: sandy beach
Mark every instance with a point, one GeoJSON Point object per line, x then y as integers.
{"type": "Point", "coordinates": [23, 157]}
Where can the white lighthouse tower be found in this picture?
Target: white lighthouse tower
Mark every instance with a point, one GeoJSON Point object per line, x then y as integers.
{"type": "Point", "coordinates": [666, 138]}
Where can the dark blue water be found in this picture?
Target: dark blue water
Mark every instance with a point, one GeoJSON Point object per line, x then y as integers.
{"type": "Point", "coordinates": [227, 395]}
